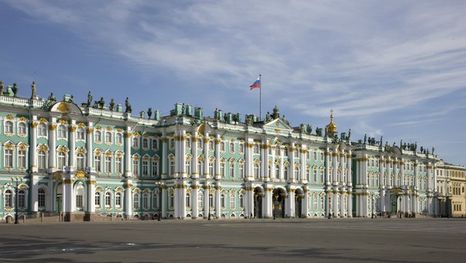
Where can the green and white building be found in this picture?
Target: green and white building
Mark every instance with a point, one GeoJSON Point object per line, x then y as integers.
{"type": "Point", "coordinates": [92, 160]}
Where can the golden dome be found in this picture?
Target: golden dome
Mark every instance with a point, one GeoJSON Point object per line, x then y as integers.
{"type": "Point", "coordinates": [331, 127]}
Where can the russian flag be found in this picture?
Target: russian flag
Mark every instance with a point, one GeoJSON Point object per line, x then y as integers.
{"type": "Point", "coordinates": [256, 84]}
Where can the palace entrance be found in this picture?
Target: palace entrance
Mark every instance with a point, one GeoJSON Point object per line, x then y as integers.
{"type": "Point", "coordinates": [299, 197]}
{"type": "Point", "coordinates": [278, 202]}
{"type": "Point", "coordinates": [258, 195]}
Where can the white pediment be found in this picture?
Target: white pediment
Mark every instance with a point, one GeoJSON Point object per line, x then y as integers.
{"type": "Point", "coordinates": [277, 126]}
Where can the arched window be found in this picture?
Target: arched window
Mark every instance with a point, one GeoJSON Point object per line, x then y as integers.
{"type": "Point", "coordinates": [41, 198]}
{"type": "Point", "coordinates": [188, 200]}
{"type": "Point", "coordinates": [285, 172]}
{"type": "Point", "coordinates": [61, 132]}
{"type": "Point", "coordinates": [222, 201]}
{"type": "Point", "coordinates": [42, 128]}
{"type": "Point", "coordinates": [222, 169]}
{"type": "Point", "coordinates": [80, 161]}
{"type": "Point", "coordinates": [98, 163]}
{"type": "Point", "coordinates": [98, 136]}
{"type": "Point", "coordinates": [211, 167]}
{"type": "Point", "coordinates": [136, 142]}
{"type": "Point", "coordinates": [232, 168]}
{"type": "Point", "coordinates": [21, 199]}
{"type": "Point", "coordinates": [277, 171]}
{"type": "Point", "coordinates": [118, 200]}
{"type": "Point", "coordinates": [241, 169]}
{"type": "Point", "coordinates": [61, 160]}
{"type": "Point", "coordinates": [200, 168]}
{"type": "Point", "coordinates": [22, 128]}
{"type": "Point", "coordinates": [108, 199]}
{"type": "Point", "coordinates": [172, 167]}
{"type": "Point", "coordinates": [145, 167]}
{"type": "Point", "coordinates": [171, 199]}
{"type": "Point", "coordinates": [80, 134]}
{"type": "Point", "coordinates": [145, 143]}
{"type": "Point", "coordinates": [79, 198]}
{"type": "Point", "coordinates": [296, 173]}
{"type": "Point", "coordinates": [22, 159]}
{"type": "Point", "coordinates": [119, 164]}
{"type": "Point", "coordinates": [211, 200]}
{"type": "Point", "coordinates": [119, 138]}
{"type": "Point", "coordinates": [232, 147]}
{"type": "Point", "coordinates": [256, 170]}
{"type": "Point", "coordinates": [136, 201]}
{"type": "Point", "coordinates": [145, 201]}
{"type": "Point", "coordinates": [188, 167]}
{"type": "Point", "coordinates": [232, 201]}
{"type": "Point", "coordinates": [97, 199]}
{"type": "Point", "coordinates": [108, 164]}
{"type": "Point", "coordinates": [8, 127]}
{"type": "Point", "coordinates": [42, 160]}
{"type": "Point", "coordinates": [136, 166]}
{"type": "Point", "coordinates": [108, 137]}
{"type": "Point", "coordinates": [241, 201]}
{"type": "Point", "coordinates": [200, 200]}
{"type": "Point", "coordinates": [8, 199]}
{"type": "Point", "coordinates": [8, 162]}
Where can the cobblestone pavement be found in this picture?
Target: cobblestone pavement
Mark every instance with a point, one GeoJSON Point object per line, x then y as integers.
{"type": "Point", "coordinates": [299, 240]}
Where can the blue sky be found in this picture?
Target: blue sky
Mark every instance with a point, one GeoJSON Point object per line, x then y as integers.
{"type": "Point", "coordinates": [395, 69]}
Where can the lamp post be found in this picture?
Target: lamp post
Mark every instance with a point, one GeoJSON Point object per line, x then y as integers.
{"type": "Point", "coordinates": [17, 180]}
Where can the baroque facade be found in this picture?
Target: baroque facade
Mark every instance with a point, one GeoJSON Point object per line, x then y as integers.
{"type": "Point", "coordinates": [95, 160]}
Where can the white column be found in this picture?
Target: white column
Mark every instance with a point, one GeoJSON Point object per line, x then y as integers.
{"type": "Point", "coordinates": [264, 159]}
{"type": "Point", "coordinates": [182, 201]}
{"type": "Point", "coordinates": [33, 146]}
{"type": "Point", "coordinates": [89, 145]}
{"type": "Point", "coordinates": [91, 195]}
{"type": "Point", "coordinates": [206, 157]}
{"type": "Point", "coordinates": [195, 201]}
{"type": "Point", "coordinates": [52, 144]}
{"type": "Point", "coordinates": [349, 204]}
{"type": "Point", "coordinates": [327, 168]}
{"type": "Point", "coordinates": [304, 161]}
{"type": "Point", "coordinates": [164, 201]}
{"type": "Point", "coordinates": [180, 153]}
{"type": "Point", "coordinates": [336, 197]}
{"type": "Point", "coordinates": [305, 206]}
{"type": "Point", "coordinates": [72, 145]}
{"type": "Point", "coordinates": [195, 151]}
{"type": "Point", "coordinates": [128, 199]}
{"type": "Point", "coordinates": [68, 196]}
{"type": "Point", "coordinates": [249, 160]}
{"type": "Point", "coordinates": [250, 205]}
{"type": "Point", "coordinates": [267, 203]}
{"type": "Point", "coordinates": [164, 157]}
{"type": "Point", "coordinates": [218, 206]}
{"type": "Point", "coordinates": [34, 193]}
{"type": "Point", "coordinates": [342, 204]}
{"type": "Point", "coordinates": [207, 205]}
{"type": "Point", "coordinates": [291, 171]}
{"type": "Point", "coordinates": [218, 140]}
{"type": "Point", "coordinates": [128, 157]}
{"type": "Point", "coordinates": [290, 203]}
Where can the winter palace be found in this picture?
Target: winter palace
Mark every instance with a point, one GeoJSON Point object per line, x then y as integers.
{"type": "Point", "coordinates": [97, 161]}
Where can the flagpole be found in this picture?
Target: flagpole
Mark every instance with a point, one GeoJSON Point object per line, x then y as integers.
{"type": "Point", "coordinates": [260, 98]}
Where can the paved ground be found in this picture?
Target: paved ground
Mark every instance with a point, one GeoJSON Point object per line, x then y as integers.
{"type": "Point", "coordinates": [355, 240]}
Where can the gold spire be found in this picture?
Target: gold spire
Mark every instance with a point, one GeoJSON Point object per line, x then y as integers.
{"type": "Point", "coordinates": [331, 127]}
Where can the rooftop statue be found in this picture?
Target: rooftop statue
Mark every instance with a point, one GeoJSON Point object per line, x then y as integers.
{"type": "Point", "coordinates": [14, 89]}
{"type": "Point", "coordinates": [2, 87]}
{"type": "Point", "coordinates": [149, 113]}
{"type": "Point", "coordinates": [33, 90]}
{"type": "Point", "coordinates": [89, 99]}
{"type": "Point", "coordinates": [275, 112]}
{"type": "Point", "coordinates": [101, 103]}
{"type": "Point", "coordinates": [111, 106]}
{"type": "Point", "coordinates": [128, 106]}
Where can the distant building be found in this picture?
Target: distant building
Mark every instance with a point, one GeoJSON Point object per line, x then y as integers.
{"type": "Point", "coordinates": [97, 160]}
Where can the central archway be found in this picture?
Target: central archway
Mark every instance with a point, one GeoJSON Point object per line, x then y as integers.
{"type": "Point", "coordinates": [258, 194]}
{"type": "Point", "coordinates": [299, 196]}
{"type": "Point", "coordinates": [278, 202]}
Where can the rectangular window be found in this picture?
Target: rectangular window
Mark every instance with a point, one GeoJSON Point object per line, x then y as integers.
{"type": "Point", "coordinates": [155, 168]}
{"type": "Point", "coordinates": [108, 164]}
{"type": "Point", "coordinates": [8, 158]}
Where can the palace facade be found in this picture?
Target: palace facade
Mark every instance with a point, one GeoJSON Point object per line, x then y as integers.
{"type": "Point", "coordinates": [96, 160]}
